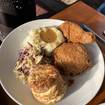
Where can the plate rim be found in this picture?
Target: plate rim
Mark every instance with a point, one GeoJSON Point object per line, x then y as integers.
{"type": "Point", "coordinates": [45, 20]}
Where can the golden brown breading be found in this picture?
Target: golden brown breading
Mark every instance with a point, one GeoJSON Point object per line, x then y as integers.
{"type": "Point", "coordinates": [72, 58]}
{"type": "Point", "coordinates": [42, 77]}
{"type": "Point", "coordinates": [74, 33]}
{"type": "Point", "coordinates": [46, 84]}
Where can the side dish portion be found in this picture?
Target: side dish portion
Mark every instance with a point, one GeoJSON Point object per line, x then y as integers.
{"type": "Point", "coordinates": [37, 48]}
{"type": "Point", "coordinates": [47, 84]}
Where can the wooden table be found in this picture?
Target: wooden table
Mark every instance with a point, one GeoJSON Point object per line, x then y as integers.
{"type": "Point", "coordinates": [82, 13]}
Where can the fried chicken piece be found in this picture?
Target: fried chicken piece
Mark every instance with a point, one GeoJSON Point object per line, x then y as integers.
{"type": "Point", "coordinates": [74, 33]}
{"type": "Point", "coordinates": [72, 58]}
{"type": "Point", "coordinates": [46, 83]}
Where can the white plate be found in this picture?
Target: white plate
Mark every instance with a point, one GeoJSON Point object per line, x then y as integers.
{"type": "Point", "coordinates": [102, 104]}
{"type": "Point", "coordinates": [81, 92]}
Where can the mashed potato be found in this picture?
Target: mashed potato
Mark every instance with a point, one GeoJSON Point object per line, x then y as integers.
{"type": "Point", "coordinates": [46, 38]}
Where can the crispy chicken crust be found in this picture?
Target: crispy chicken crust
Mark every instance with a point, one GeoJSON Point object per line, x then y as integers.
{"type": "Point", "coordinates": [42, 77]}
{"type": "Point", "coordinates": [74, 33]}
{"type": "Point", "coordinates": [46, 83]}
{"type": "Point", "coordinates": [72, 58]}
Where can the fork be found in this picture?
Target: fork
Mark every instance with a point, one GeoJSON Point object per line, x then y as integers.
{"type": "Point", "coordinates": [87, 28]}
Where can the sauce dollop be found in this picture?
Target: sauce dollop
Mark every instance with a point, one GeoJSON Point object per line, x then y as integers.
{"type": "Point", "coordinates": [48, 36]}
